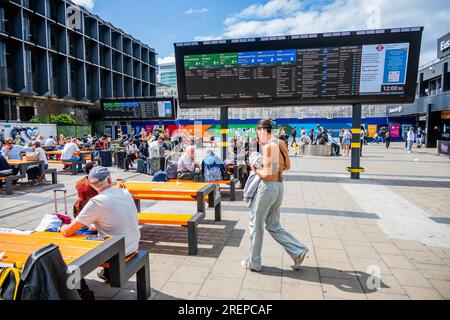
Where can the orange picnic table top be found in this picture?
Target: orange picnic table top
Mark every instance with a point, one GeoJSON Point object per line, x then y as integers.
{"type": "Point", "coordinates": [16, 163]}
{"type": "Point", "coordinates": [173, 188]}
{"type": "Point", "coordinates": [59, 152]}
{"type": "Point", "coordinates": [18, 248]}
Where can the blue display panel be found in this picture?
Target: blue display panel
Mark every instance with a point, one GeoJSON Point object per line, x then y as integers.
{"type": "Point", "coordinates": [139, 109]}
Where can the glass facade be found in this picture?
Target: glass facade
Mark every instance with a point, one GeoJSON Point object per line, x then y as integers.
{"type": "Point", "coordinates": [169, 78]}
{"type": "Point", "coordinates": [44, 54]}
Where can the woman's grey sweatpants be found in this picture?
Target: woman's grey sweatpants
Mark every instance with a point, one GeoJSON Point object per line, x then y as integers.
{"type": "Point", "coordinates": [265, 209]}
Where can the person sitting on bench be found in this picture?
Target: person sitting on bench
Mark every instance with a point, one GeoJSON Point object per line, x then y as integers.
{"type": "Point", "coordinates": [5, 169]}
{"type": "Point", "coordinates": [85, 191]}
{"type": "Point", "coordinates": [111, 213]}
{"type": "Point", "coordinates": [213, 168]}
{"type": "Point", "coordinates": [187, 169]}
{"type": "Point", "coordinates": [71, 153]}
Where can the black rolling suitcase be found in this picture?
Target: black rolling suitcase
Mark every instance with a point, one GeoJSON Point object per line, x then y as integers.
{"type": "Point", "coordinates": [120, 159]}
{"type": "Point", "coordinates": [142, 166]}
{"type": "Point", "coordinates": [106, 158]}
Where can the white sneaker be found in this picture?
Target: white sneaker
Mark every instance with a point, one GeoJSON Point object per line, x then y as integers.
{"type": "Point", "coordinates": [244, 264]}
{"type": "Point", "coordinates": [298, 261]}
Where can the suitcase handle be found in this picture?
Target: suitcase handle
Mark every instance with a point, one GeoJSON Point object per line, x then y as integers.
{"type": "Point", "coordinates": [65, 200]}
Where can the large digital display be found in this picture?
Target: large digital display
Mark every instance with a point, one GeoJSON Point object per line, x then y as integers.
{"type": "Point", "coordinates": [353, 68]}
{"type": "Point", "coordinates": [139, 109]}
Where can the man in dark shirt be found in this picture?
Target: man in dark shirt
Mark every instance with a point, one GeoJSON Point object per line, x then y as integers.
{"type": "Point", "coordinates": [4, 164]}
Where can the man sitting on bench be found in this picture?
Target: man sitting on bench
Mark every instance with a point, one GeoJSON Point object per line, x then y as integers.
{"type": "Point", "coordinates": [71, 153]}
{"type": "Point", "coordinates": [5, 169]}
{"type": "Point", "coordinates": [187, 168]}
{"type": "Point", "coordinates": [112, 212]}
{"type": "Point", "coordinates": [213, 168]}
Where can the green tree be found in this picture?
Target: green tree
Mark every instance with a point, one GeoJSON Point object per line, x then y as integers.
{"type": "Point", "coordinates": [35, 119]}
{"type": "Point", "coordinates": [63, 118]}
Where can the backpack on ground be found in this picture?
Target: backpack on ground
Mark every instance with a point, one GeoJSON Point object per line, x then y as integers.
{"type": "Point", "coordinates": [172, 168]}
{"type": "Point", "coordinates": [160, 176]}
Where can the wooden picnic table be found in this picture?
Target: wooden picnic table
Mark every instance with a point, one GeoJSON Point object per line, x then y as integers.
{"type": "Point", "coordinates": [25, 164]}
{"type": "Point", "coordinates": [176, 191]}
{"type": "Point", "coordinates": [85, 255]}
{"type": "Point", "coordinates": [83, 154]}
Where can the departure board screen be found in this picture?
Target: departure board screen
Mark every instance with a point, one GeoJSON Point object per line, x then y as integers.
{"type": "Point", "coordinates": [139, 109]}
{"type": "Point", "coordinates": [382, 71]}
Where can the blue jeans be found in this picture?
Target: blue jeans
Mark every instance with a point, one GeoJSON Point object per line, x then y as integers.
{"type": "Point", "coordinates": [75, 159]}
{"type": "Point", "coordinates": [265, 209]}
{"type": "Point", "coordinates": [410, 145]}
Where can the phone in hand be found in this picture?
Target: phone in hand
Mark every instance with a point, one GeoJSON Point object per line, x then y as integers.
{"type": "Point", "coordinates": [96, 238]}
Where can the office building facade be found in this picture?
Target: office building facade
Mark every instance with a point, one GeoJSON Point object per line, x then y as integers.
{"type": "Point", "coordinates": [168, 74]}
{"type": "Point", "coordinates": [57, 57]}
{"type": "Point", "coordinates": [431, 110]}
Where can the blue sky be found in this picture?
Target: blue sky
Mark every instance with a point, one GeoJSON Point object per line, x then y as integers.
{"type": "Point", "coordinates": [160, 23]}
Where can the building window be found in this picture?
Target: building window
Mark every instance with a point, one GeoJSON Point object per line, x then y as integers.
{"type": "Point", "coordinates": [28, 64]}
{"type": "Point", "coordinates": [3, 55]}
{"type": "Point", "coordinates": [2, 20]}
{"type": "Point", "coordinates": [26, 28]}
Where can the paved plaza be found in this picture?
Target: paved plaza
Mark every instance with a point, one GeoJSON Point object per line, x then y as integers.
{"type": "Point", "coordinates": [395, 221]}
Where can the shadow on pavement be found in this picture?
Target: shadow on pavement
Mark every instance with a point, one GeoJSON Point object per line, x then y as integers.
{"type": "Point", "coordinates": [313, 211]}
{"type": "Point", "coordinates": [172, 240]}
{"type": "Point", "coordinates": [344, 280]}
{"type": "Point", "coordinates": [382, 182]}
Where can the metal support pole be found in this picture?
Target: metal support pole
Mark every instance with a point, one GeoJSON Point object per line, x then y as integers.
{"type": "Point", "coordinates": [224, 130]}
{"type": "Point", "coordinates": [356, 142]}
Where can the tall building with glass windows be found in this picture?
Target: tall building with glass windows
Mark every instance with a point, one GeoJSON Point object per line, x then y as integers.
{"type": "Point", "coordinates": [57, 57]}
{"type": "Point", "coordinates": [168, 74]}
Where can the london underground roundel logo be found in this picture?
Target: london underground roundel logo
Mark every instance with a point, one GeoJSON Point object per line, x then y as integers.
{"type": "Point", "coordinates": [380, 47]}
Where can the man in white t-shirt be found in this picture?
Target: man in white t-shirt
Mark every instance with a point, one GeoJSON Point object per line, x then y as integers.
{"type": "Point", "coordinates": [112, 213]}
{"type": "Point", "coordinates": [50, 142]}
{"type": "Point", "coordinates": [132, 154]}
{"type": "Point", "coordinates": [71, 153]}
{"type": "Point", "coordinates": [156, 149]}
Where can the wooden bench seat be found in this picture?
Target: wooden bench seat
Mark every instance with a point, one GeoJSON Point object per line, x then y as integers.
{"type": "Point", "coordinates": [184, 220]}
{"type": "Point", "coordinates": [7, 182]}
{"type": "Point", "coordinates": [138, 264]}
{"type": "Point", "coordinates": [73, 165]}
{"type": "Point", "coordinates": [54, 174]}
{"type": "Point", "coordinates": [232, 183]}
{"type": "Point", "coordinates": [165, 197]}
{"type": "Point", "coordinates": [164, 218]}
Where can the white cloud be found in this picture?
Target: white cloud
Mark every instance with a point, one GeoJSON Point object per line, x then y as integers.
{"type": "Point", "coordinates": [88, 4]}
{"type": "Point", "coordinates": [195, 11]}
{"type": "Point", "coordinates": [263, 11]}
{"type": "Point", "coordinates": [168, 59]}
{"type": "Point", "coordinates": [206, 38]}
{"type": "Point", "coordinates": [277, 17]}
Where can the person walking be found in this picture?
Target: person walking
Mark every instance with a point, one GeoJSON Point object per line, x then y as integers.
{"type": "Point", "coordinates": [311, 136]}
{"type": "Point", "coordinates": [410, 139]}
{"type": "Point", "coordinates": [387, 138]}
{"type": "Point", "coordinates": [363, 138]}
{"type": "Point", "coordinates": [346, 141]}
{"type": "Point", "coordinates": [294, 136]}
{"type": "Point", "coordinates": [419, 137]}
{"type": "Point", "coordinates": [267, 199]}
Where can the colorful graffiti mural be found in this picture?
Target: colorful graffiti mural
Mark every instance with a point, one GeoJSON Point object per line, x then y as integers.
{"type": "Point", "coordinates": [243, 128]}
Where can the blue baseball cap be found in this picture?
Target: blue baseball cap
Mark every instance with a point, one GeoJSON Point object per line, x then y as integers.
{"type": "Point", "coordinates": [98, 174]}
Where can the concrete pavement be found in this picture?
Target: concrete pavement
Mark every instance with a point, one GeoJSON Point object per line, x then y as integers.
{"type": "Point", "coordinates": [386, 236]}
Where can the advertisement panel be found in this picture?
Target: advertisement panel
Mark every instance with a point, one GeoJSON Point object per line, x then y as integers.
{"type": "Point", "coordinates": [395, 131]}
